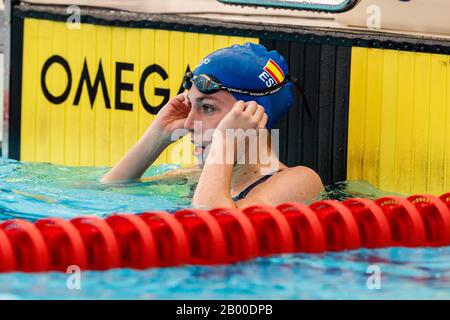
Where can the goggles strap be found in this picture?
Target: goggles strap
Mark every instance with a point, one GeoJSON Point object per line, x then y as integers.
{"type": "Point", "coordinates": [302, 95]}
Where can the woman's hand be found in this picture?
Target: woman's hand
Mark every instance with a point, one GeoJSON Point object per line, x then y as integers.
{"type": "Point", "coordinates": [244, 115]}
{"type": "Point", "coordinates": [173, 115]}
{"type": "Point", "coordinates": [243, 121]}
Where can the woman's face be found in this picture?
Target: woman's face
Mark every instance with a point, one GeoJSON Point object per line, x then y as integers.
{"type": "Point", "coordinates": [207, 110]}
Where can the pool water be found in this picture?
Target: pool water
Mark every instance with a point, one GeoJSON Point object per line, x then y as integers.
{"type": "Point", "coordinates": [35, 190]}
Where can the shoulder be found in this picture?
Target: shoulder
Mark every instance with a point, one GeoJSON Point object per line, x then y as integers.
{"type": "Point", "coordinates": [300, 174]}
{"type": "Point", "coordinates": [301, 181]}
{"type": "Point", "coordinates": [294, 184]}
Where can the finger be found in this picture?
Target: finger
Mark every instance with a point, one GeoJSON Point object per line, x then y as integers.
{"type": "Point", "coordinates": [259, 112]}
{"type": "Point", "coordinates": [263, 122]}
{"type": "Point", "coordinates": [250, 107]}
{"type": "Point", "coordinates": [181, 102]}
{"type": "Point", "coordinates": [239, 106]}
{"type": "Point", "coordinates": [181, 97]}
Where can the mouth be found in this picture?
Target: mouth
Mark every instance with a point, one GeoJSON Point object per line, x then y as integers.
{"type": "Point", "coordinates": [199, 148]}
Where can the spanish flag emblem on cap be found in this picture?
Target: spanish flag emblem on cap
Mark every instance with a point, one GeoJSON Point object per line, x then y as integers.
{"type": "Point", "coordinates": [274, 70]}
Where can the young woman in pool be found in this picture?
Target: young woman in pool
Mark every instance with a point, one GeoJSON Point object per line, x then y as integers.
{"type": "Point", "coordinates": [239, 88]}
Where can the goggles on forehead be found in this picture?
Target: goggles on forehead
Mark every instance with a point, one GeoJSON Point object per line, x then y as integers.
{"type": "Point", "coordinates": [205, 84]}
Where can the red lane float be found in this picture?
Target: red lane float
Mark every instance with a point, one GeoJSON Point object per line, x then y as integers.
{"type": "Point", "coordinates": [373, 226]}
{"type": "Point", "coordinates": [28, 244]}
{"type": "Point", "coordinates": [7, 256]}
{"type": "Point", "coordinates": [101, 244]}
{"type": "Point", "coordinates": [341, 230]}
{"type": "Point", "coordinates": [446, 198]}
{"type": "Point", "coordinates": [240, 236]}
{"type": "Point", "coordinates": [136, 245]}
{"type": "Point", "coordinates": [407, 227]}
{"type": "Point", "coordinates": [436, 217]}
{"type": "Point", "coordinates": [222, 235]}
{"type": "Point", "coordinates": [64, 243]}
{"type": "Point", "coordinates": [272, 228]}
{"type": "Point", "coordinates": [171, 241]}
{"type": "Point", "coordinates": [306, 228]}
{"type": "Point", "coordinates": [206, 239]}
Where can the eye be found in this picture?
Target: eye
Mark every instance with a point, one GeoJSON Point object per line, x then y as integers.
{"type": "Point", "coordinates": [208, 108]}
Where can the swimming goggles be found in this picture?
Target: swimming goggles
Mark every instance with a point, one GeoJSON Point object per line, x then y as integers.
{"type": "Point", "coordinates": [207, 85]}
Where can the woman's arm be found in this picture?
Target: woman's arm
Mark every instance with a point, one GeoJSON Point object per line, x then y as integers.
{"type": "Point", "coordinates": [213, 188]}
{"type": "Point", "coordinates": [140, 157]}
{"type": "Point", "coordinates": [157, 137]}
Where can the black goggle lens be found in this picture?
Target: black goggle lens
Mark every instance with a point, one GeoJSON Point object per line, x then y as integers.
{"type": "Point", "coordinates": [202, 83]}
{"type": "Point", "coordinates": [187, 81]}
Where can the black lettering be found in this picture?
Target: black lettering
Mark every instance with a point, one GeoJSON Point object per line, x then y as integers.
{"type": "Point", "coordinates": [154, 68]}
{"type": "Point", "coordinates": [123, 86]}
{"type": "Point", "coordinates": [63, 62]}
{"type": "Point", "coordinates": [92, 89]}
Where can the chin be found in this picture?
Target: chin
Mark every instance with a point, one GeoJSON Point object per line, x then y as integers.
{"type": "Point", "coordinates": [200, 162]}
{"type": "Point", "coordinates": [202, 158]}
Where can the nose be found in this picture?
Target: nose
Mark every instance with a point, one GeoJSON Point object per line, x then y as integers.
{"type": "Point", "coordinates": [191, 118]}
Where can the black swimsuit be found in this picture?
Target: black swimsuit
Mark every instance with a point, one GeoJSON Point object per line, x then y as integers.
{"type": "Point", "coordinates": [245, 192]}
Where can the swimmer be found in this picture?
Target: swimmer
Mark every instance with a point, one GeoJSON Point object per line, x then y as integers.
{"type": "Point", "coordinates": [233, 99]}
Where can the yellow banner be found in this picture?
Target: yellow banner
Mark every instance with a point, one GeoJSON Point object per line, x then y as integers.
{"type": "Point", "coordinates": [88, 94]}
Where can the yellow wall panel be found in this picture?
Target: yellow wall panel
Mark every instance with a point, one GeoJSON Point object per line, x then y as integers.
{"type": "Point", "coordinates": [87, 121]}
{"type": "Point", "coordinates": [29, 100]}
{"type": "Point", "coordinates": [447, 132]}
{"type": "Point", "coordinates": [57, 114]}
{"type": "Point", "coordinates": [42, 114]}
{"type": "Point", "coordinates": [357, 114]}
{"type": "Point", "coordinates": [117, 123]}
{"type": "Point", "coordinates": [438, 76]}
{"type": "Point", "coordinates": [102, 114]}
{"type": "Point", "coordinates": [73, 129]}
{"type": "Point", "coordinates": [93, 132]}
{"type": "Point", "coordinates": [399, 132]}
{"type": "Point", "coordinates": [403, 123]}
{"type": "Point", "coordinates": [146, 58]}
{"type": "Point", "coordinates": [130, 119]}
{"type": "Point", "coordinates": [421, 123]}
{"type": "Point", "coordinates": [220, 42]}
{"type": "Point", "coordinates": [388, 120]}
{"type": "Point", "coordinates": [373, 113]}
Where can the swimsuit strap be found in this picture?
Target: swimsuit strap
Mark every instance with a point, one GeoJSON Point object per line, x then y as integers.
{"type": "Point", "coordinates": [245, 192]}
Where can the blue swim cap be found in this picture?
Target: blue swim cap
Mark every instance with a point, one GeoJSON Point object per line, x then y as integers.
{"type": "Point", "coordinates": [251, 66]}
